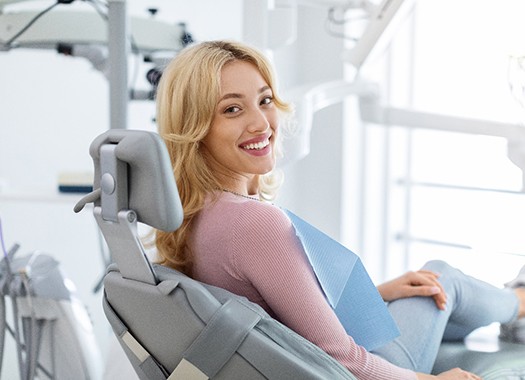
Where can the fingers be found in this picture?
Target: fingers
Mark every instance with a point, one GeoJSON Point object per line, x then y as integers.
{"type": "Point", "coordinates": [425, 283]}
{"type": "Point", "coordinates": [440, 298]}
{"type": "Point", "coordinates": [422, 283]}
{"type": "Point", "coordinates": [423, 277]}
{"type": "Point", "coordinates": [429, 273]}
{"type": "Point", "coordinates": [431, 279]}
{"type": "Point", "coordinates": [458, 373]}
{"type": "Point", "coordinates": [441, 301]}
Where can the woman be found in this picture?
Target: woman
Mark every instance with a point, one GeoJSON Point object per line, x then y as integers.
{"type": "Point", "coordinates": [219, 112]}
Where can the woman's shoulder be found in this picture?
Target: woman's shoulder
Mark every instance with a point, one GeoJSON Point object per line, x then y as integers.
{"type": "Point", "coordinates": [247, 213]}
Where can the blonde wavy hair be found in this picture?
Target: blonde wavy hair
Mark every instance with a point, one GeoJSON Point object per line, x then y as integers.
{"type": "Point", "coordinates": [187, 97]}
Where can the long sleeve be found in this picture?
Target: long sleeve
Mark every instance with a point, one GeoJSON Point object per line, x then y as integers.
{"type": "Point", "coordinates": [251, 249]}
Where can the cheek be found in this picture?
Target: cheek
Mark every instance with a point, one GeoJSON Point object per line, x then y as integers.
{"type": "Point", "coordinates": [215, 136]}
{"type": "Point", "coordinates": [273, 119]}
{"type": "Point", "coordinates": [221, 143]}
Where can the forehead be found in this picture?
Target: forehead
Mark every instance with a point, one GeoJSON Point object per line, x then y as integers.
{"type": "Point", "coordinates": [239, 77]}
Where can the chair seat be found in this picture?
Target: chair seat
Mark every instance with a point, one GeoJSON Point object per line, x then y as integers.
{"type": "Point", "coordinates": [484, 354]}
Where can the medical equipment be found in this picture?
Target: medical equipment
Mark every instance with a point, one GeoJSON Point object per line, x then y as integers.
{"type": "Point", "coordinates": [80, 26]}
{"type": "Point", "coordinates": [100, 36]}
{"type": "Point", "coordinates": [49, 322]}
{"type": "Point", "coordinates": [379, 19]}
{"type": "Point", "coordinates": [309, 99]}
{"type": "Point", "coordinates": [516, 78]}
{"type": "Point", "coordinates": [272, 24]}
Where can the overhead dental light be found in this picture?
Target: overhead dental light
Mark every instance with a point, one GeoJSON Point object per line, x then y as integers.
{"type": "Point", "coordinates": [85, 29]}
{"type": "Point", "coordinates": [379, 18]}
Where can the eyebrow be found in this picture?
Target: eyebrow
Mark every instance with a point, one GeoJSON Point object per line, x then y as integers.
{"type": "Point", "coordinates": [240, 96]}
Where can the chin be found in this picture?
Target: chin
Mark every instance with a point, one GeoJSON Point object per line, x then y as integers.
{"type": "Point", "coordinates": [267, 169]}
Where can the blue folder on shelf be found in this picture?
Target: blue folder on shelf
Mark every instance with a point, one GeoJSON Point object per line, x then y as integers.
{"type": "Point", "coordinates": [347, 287]}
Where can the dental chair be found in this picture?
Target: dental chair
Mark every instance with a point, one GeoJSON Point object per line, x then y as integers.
{"type": "Point", "coordinates": [170, 326]}
{"type": "Point", "coordinates": [485, 354]}
{"type": "Point", "coordinates": [173, 327]}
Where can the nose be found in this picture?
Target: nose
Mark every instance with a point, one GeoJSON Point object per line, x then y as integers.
{"type": "Point", "coordinates": [259, 122]}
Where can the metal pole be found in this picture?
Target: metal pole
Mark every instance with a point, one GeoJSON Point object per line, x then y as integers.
{"type": "Point", "coordinates": [118, 63]}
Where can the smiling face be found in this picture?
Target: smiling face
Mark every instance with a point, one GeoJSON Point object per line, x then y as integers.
{"type": "Point", "coordinates": [240, 143]}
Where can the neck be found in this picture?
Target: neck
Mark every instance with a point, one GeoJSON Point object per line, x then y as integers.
{"type": "Point", "coordinates": [253, 197]}
{"type": "Point", "coordinates": [244, 186]}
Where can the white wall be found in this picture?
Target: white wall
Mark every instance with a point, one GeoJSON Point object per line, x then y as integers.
{"type": "Point", "coordinates": [52, 106]}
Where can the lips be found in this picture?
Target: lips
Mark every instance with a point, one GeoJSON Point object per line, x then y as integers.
{"type": "Point", "coordinates": [256, 144]}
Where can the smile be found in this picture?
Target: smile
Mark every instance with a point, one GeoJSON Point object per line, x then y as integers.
{"type": "Point", "coordinates": [257, 146]}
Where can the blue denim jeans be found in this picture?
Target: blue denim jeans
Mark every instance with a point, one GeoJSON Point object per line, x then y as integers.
{"type": "Point", "coordinates": [471, 303]}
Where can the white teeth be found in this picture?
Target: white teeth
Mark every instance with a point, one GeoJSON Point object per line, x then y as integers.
{"type": "Point", "coordinates": [258, 146]}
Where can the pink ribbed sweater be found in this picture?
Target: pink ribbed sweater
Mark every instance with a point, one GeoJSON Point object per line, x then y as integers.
{"type": "Point", "coordinates": [250, 248]}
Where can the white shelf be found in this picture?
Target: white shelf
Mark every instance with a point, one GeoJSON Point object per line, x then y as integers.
{"type": "Point", "coordinates": [42, 196]}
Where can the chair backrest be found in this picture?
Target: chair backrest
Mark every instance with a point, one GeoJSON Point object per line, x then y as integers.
{"type": "Point", "coordinates": [169, 325]}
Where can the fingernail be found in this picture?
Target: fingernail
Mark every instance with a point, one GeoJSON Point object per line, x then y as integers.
{"type": "Point", "coordinates": [435, 290]}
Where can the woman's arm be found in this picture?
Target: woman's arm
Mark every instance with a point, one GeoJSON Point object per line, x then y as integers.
{"type": "Point", "coordinates": [270, 256]}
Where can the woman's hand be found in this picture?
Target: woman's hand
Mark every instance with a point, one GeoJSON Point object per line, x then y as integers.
{"type": "Point", "coordinates": [453, 374]}
{"type": "Point", "coordinates": [422, 283]}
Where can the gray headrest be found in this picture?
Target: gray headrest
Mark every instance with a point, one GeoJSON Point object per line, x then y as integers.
{"type": "Point", "coordinates": [151, 189]}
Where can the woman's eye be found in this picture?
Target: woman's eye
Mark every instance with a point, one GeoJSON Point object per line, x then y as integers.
{"type": "Point", "coordinates": [232, 109]}
{"type": "Point", "coordinates": [267, 100]}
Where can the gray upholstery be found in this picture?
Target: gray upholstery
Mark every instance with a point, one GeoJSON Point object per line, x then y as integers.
{"type": "Point", "coordinates": [133, 183]}
{"type": "Point", "coordinates": [506, 363]}
{"type": "Point", "coordinates": [175, 320]}
{"type": "Point", "coordinates": [151, 191]}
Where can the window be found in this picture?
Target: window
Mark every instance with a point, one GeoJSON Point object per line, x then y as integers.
{"type": "Point", "coordinates": [430, 194]}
